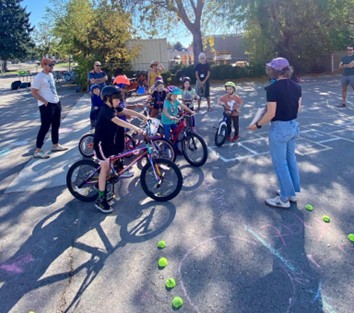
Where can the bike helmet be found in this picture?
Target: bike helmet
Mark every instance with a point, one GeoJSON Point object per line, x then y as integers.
{"type": "Point", "coordinates": [173, 90]}
{"type": "Point", "coordinates": [230, 84]}
{"type": "Point", "coordinates": [158, 83]}
{"type": "Point", "coordinates": [94, 86]}
{"type": "Point", "coordinates": [185, 79]}
{"type": "Point", "coordinates": [158, 78]}
{"type": "Point", "coordinates": [113, 92]}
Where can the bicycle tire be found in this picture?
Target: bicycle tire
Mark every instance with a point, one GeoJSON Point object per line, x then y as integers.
{"type": "Point", "coordinates": [220, 135]}
{"type": "Point", "coordinates": [77, 174]}
{"type": "Point", "coordinates": [86, 145]}
{"type": "Point", "coordinates": [165, 149]}
{"type": "Point", "coordinates": [194, 149]}
{"type": "Point", "coordinates": [170, 183]}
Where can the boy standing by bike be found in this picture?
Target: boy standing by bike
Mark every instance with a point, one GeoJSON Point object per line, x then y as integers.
{"type": "Point", "coordinates": [232, 104]}
{"type": "Point", "coordinates": [109, 137]}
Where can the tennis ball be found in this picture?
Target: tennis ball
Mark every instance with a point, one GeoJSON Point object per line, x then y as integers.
{"type": "Point", "coordinates": [177, 302]}
{"type": "Point", "coordinates": [326, 218]}
{"type": "Point", "coordinates": [161, 244]}
{"type": "Point", "coordinates": [351, 237]}
{"type": "Point", "coordinates": [309, 207]}
{"type": "Point", "coordinates": [162, 262]}
{"type": "Point", "coordinates": [170, 283]}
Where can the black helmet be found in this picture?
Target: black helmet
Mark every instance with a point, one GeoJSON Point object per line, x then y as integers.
{"type": "Point", "coordinates": [110, 91]}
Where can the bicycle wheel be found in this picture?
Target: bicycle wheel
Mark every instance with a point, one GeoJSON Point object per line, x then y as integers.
{"type": "Point", "coordinates": [86, 145]}
{"type": "Point", "coordinates": [165, 149]}
{"type": "Point", "coordinates": [194, 149]}
{"type": "Point", "coordinates": [169, 182]}
{"type": "Point", "coordinates": [78, 183]}
{"type": "Point", "coordinates": [220, 135]}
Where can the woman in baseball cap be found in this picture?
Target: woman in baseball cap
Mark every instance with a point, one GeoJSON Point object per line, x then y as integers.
{"type": "Point", "coordinates": [283, 104]}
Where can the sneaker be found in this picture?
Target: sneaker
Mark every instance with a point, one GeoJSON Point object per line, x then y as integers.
{"type": "Point", "coordinates": [291, 198]}
{"type": "Point", "coordinates": [341, 105]}
{"type": "Point", "coordinates": [102, 205]}
{"type": "Point", "coordinates": [40, 155]}
{"type": "Point", "coordinates": [126, 174]}
{"type": "Point", "coordinates": [58, 148]}
{"type": "Point", "coordinates": [236, 138]}
{"type": "Point", "coordinates": [277, 203]}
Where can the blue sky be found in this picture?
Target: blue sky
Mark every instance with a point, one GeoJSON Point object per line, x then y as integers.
{"type": "Point", "coordinates": [37, 9]}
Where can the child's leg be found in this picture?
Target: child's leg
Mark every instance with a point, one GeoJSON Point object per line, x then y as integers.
{"type": "Point", "coordinates": [166, 131]}
{"type": "Point", "coordinates": [236, 120]}
{"type": "Point", "coordinates": [103, 176]}
{"type": "Point", "coordinates": [228, 125]}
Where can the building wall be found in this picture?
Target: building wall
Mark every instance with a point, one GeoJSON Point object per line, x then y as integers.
{"type": "Point", "coordinates": [150, 49]}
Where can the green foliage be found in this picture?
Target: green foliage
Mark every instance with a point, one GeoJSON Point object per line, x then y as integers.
{"type": "Point", "coordinates": [15, 30]}
{"type": "Point", "coordinates": [299, 30]}
{"type": "Point", "coordinates": [92, 33]}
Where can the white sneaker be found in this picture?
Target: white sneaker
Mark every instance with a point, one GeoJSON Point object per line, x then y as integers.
{"type": "Point", "coordinates": [40, 155]}
{"type": "Point", "coordinates": [291, 198]}
{"type": "Point", "coordinates": [126, 174]}
{"type": "Point", "coordinates": [277, 203]}
{"type": "Point", "coordinates": [58, 148]}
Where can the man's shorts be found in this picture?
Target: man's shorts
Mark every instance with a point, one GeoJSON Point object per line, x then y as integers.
{"type": "Point", "coordinates": [348, 80]}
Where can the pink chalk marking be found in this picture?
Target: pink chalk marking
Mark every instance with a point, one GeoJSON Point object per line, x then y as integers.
{"type": "Point", "coordinates": [310, 257]}
{"type": "Point", "coordinates": [17, 266]}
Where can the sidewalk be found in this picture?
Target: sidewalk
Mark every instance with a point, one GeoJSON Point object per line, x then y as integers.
{"type": "Point", "coordinates": [39, 174]}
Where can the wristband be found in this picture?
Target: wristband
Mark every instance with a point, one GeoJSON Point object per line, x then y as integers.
{"type": "Point", "coordinates": [258, 126]}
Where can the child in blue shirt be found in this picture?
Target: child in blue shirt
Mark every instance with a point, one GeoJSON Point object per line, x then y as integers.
{"type": "Point", "coordinates": [96, 104]}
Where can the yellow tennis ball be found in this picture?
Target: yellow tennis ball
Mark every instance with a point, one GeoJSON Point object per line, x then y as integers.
{"type": "Point", "coordinates": [309, 207]}
{"type": "Point", "coordinates": [161, 244]}
{"type": "Point", "coordinates": [170, 283]}
{"type": "Point", "coordinates": [177, 302]}
{"type": "Point", "coordinates": [162, 262]}
{"type": "Point", "coordinates": [351, 237]}
{"type": "Point", "coordinates": [326, 218]}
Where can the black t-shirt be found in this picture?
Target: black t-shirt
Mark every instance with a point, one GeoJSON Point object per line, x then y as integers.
{"type": "Point", "coordinates": [202, 70]}
{"type": "Point", "coordinates": [108, 133]}
{"type": "Point", "coordinates": [158, 98]}
{"type": "Point", "coordinates": [286, 93]}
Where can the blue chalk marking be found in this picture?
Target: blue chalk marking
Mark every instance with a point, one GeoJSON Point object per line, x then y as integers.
{"type": "Point", "coordinates": [4, 151]}
{"type": "Point", "coordinates": [272, 250]}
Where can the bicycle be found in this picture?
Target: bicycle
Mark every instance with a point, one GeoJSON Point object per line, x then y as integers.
{"type": "Point", "coordinates": [162, 146]}
{"type": "Point", "coordinates": [160, 179]}
{"type": "Point", "coordinates": [193, 146]}
{"type": "Point", "coordinates": [221, 132]}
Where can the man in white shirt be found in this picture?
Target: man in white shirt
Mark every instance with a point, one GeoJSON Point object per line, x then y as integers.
{"type": "Point", "coordinates": [44, 90]}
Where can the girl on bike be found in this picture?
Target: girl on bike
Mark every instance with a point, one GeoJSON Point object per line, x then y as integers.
{"type": "Point", "coordinates": [169, 115]}
{"type": "Point", "coordinates": [109, 137]}
{"type": "Point", "coordinates": [232, 104]}
{"type": "Point", "coordinates": [156, 99]}
{"type": "Point", "coordinates": [188, 95]}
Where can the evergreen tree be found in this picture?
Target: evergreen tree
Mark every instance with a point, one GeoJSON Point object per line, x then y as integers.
{"type": "Point", "coordinates": [15, 30]}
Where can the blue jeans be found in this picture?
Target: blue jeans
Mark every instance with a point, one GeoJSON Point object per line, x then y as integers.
{"type": "Point", "coordinates": [167, 128]}
{"type": "Point", "coordinates": [282, 142]}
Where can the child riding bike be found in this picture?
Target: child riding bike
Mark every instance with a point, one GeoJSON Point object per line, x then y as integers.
{"type": "Point", "coordinates": [109, 137]}
{"type": "Point", "coordinates": [169, 115]}
{"type": "Point", "coordinates": [188, 95]}
{"type": "Point", "coordinates": [232, 104]}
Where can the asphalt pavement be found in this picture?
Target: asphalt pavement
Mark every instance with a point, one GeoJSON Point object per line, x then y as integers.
{"type": "Point", "coordinates": [227, 250]}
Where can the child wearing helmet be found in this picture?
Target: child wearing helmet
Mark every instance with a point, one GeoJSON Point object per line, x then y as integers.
{"type": "Point", "coordinates": [188, 95]}
{"type": "Point", "coordinates": [156, 99]}
{"type": "Point", "coordinates": [109, 137]}
{"type": "Point", "coordinates": [232, 104]}
{"type": "Point", "coordinates": [96, 104]}
{"type": "Point", "coordinates": [171, 105]}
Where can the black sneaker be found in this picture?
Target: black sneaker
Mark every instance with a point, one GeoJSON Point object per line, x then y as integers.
{"type": "Point", "coordinates": [102, 205]}
{"type": "Point", "coordinates": [341, 105]}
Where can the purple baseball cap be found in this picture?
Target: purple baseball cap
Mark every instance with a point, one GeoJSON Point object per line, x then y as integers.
{"type": "Point", "coordinates": [278, 64]}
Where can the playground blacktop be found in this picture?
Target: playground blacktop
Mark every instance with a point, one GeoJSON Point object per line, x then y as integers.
{"type": "Point", "coordinates": [227, 251]}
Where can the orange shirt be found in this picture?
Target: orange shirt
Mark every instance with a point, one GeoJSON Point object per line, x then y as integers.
{"type": "Point", "coordinates": [232, 102]}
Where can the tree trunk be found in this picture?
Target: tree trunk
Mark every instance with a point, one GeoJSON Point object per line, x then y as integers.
{"type": "Point", "coordinates": [197, 44]}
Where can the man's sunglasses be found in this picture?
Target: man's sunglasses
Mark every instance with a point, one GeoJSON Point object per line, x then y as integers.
{"type": "Point", "coordinates": [98, 65]}
{"type": "Point", "coordinates": [51, 65]}
{"type": "Point", "coordinates": [350, 49]}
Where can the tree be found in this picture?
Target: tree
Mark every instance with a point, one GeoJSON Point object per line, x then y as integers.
{"type": "Point", "coordinates": [15, 30]}
{"type": "Point", "coordinates": [178, 46]}
{"type": "Point", "coordinates": [194, 14]}
{"type": "Point", "coordinates": [46, 42]}
{"type": "Point", "coordinates": [299, 30]}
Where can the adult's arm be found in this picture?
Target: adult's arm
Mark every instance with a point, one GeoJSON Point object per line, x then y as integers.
{"type": "Point", "coordinates": [35, 94]}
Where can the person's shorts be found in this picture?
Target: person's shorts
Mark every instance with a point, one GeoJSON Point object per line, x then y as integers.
{"type": "Point", "coordinates": [348, 80]}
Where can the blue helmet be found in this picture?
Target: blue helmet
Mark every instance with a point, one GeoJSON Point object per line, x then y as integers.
{"type": "Point", "coordinates": [173, 90]}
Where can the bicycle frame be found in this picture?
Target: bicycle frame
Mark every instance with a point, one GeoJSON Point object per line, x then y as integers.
{"type": "Point", "coordinates": [181, 128]}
